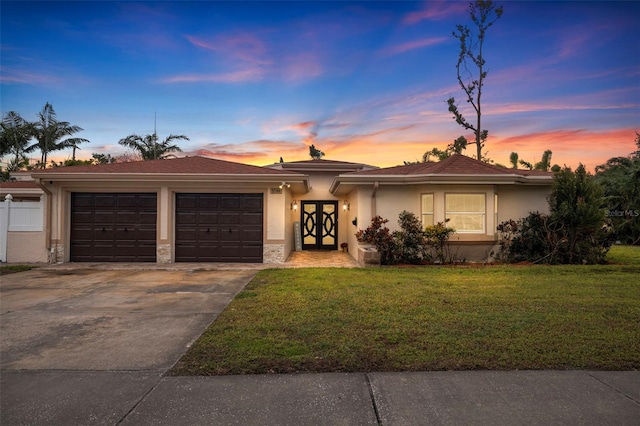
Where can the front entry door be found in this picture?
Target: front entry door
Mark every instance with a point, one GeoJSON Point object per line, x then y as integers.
{"type": "Point", "coordinates": [319, 225]}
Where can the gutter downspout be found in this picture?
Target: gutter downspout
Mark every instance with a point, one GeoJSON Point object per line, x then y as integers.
{"type": "Point", "coordinates": [49, 215]}
{"type": "Point", "coordinates": [374, 212]}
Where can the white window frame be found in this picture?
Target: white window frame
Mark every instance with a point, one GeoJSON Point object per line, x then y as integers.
{"type": "Point", "coordinates": [424, 213]}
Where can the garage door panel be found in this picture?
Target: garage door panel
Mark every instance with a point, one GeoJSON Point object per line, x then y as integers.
{"type": "Point", "coordinates": [231, 225]}
{"type": "Point", "coordinates": [126, 217]}
{"type": "Point", "coordinates": [230, 218]}
{"type": "Point", "coordinates": [230, 202]}
{"type": "Point", "coordinates": [113, 227]}
{"type": "Point", "coordinates": [125, 201]}
{"type": "Point", "coordinates": [207, 202]}
{"type": "Point", "coordinates": [104, 200]}
{"type": "Point", "coordinates": [230, 235]}
{"type": "Point", "coordinates": [104, 233]}
{"type": "Point", "coordinates": [251, 252]}
{"type": "Point", "coordinates": [186, 218]}
{"type": "Point", "coordinates": [252, 203]}
{"type": "Point", "coordinates": [101, 216]}
{"type": "Point", "coordinates": [252, 219]}
{"type": "Point", "coordinates": [186, 202]}
{"type": "Point", "coordinates": [148, 201]}
{"type": "Point", "coordinates": [147, 218]}
{"type": "Point", "coordinates": [208, 234]}
{"type": "Point", "coordinates": [251, 234]}
{"type": "Point", "coordinates": [208, 218]}
{"type": "Point", "coordinates": [82, 200]}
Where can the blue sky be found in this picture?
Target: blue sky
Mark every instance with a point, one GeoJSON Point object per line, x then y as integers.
{"type": "Point", "coordinates": [363, 81]}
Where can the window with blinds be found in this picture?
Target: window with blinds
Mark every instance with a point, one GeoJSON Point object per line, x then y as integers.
{"type": "Point", "coordinates": [466, 212]}
{"type": "Point", "coordinates": [427, 210]}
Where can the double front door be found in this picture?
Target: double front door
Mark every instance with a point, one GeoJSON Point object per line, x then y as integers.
{"type": "Point", "coordinates": [319, 225]}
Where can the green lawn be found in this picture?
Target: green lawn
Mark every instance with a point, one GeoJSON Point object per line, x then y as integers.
{"type": "Point", "coordinates": [12, 269]}
{"type": "Point", "coordinates": [428, 318]}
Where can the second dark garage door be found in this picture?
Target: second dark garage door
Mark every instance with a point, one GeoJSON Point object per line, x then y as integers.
{"type": "Point", "coordinates": [218, 228]}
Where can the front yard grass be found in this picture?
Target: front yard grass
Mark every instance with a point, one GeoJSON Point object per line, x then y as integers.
{"type": "Point", "coordinates": [12, 269]}
{"type": "Point", "coordinates": [427, 318]}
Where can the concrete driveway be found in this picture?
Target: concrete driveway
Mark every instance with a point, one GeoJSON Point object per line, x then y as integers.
{"type": "Point", "coordinates": [83, 319]}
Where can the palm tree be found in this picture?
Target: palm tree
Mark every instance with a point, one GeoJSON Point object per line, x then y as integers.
{"type": "Point", "coordinates": [513, 159]}
{"type": "Point", "coordinates": [149, 147]}
{"type": "Point", "coordinates": [50, 134]}
{"type": "Point", "coordinates": [545, 162]}
{"type": "Point", "coordinates": [15, 134]}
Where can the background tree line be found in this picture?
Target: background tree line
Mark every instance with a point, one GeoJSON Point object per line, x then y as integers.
{"type": "Point", "coordinates": [47, 134]}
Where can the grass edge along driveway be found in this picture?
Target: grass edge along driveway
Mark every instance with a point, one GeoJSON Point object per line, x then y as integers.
{"type": "Point", "coordinates": [428, 318]}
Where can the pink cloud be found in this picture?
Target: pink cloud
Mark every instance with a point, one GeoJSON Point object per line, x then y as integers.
{"type": "Point", "coordinates": [240, 76]}
{"type": "Point", "coordinates": [241, 46]}
{"type": "Point", "coordinates": [301, 128]}
{"type": "Point", "coordinates": [435, 11]}
{"type": "Point", "coordinates": [13, 76]}
{"type": "Point", "coordinates": [302, 66]}
{"type": "Point", "coordinates": [411, 45]}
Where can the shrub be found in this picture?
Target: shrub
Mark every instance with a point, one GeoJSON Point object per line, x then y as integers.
{"type": "Point", "coordinates": [437, 237]}
{"type": "Point", "coordinates": [411, 241]}
{"type": "Point", "coordinates": [411, 244]}
{"type": "Point", "coordinates": [574, 231]}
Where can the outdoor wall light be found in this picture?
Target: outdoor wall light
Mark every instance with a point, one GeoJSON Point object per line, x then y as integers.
{"type": "Point", "coordinates": [294, 205]}
{"type": "Point", "coordinates": [284, 185]}
{"type": "Point", "coordinates": [346, 206]}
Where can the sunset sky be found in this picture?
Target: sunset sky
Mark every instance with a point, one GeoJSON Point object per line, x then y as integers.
{"type": "Point", "coordinates": [363, 81]}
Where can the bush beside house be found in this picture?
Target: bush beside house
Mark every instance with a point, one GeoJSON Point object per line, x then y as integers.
{"type": "Point", "coordinates": [574, 232]}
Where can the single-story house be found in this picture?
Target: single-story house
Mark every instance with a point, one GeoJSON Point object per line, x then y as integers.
{"type": "Point", "coordinates": [198, 209]}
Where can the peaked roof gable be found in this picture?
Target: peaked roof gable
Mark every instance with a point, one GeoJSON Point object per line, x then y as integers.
{"type": "Point", "coordinates": [457, 164]}
{"type": "Point", "coordinates": [321, 166]}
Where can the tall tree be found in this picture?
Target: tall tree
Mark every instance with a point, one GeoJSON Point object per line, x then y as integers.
{"type": "Point", "coordinates": [484, 13]}
{"type": "Point", "coordinates": [51, 133]}
{"type": "Point", "coordinates": [15, 135]}
{"type": "Point", "coordinates": [149, 147]}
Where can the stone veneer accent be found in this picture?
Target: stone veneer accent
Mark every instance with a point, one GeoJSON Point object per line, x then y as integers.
{"type": "Point", "coordinates": [273, 253]}
{"type": "Point", "coordinates": [56, 253]}
{"type": "Point", "coordinates": [163, 253]}
{"type": "Point", "coordinates": [368, 256]}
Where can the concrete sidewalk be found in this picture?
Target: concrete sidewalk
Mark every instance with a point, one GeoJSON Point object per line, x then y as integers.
{"type": "Point", "coordinates": [429, 398]}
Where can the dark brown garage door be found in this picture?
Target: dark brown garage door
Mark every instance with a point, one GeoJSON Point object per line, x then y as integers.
{"type": "Point", "coordinates": [219, 228]}
{"type": "Point", "coordinates": [113, 227]}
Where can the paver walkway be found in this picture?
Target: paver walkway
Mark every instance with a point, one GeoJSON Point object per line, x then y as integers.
{"type": "Point", "coordinates": [320, 259]}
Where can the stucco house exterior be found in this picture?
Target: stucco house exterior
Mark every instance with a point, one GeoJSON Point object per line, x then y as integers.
{"type": "Point", "coordinates": [198, 209]}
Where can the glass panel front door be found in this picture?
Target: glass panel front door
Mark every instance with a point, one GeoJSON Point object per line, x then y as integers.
{"type": "Point", "coordinates": [319, 225]}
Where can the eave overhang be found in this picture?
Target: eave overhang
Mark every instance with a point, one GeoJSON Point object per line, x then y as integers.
{"type": "Point", "coordinates": [25, 192]}
{"type": "Point", "coordinates": [298, 183]}
{"type": "Point", "coordinates": [344, 184]}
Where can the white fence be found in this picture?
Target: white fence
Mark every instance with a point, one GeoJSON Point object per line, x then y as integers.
{"type": "Point", "coordinates": [21, 217]}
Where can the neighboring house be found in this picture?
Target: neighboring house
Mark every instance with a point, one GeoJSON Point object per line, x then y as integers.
{"type": "Point", "coordinates": [22, 210]}
{"type": "Point", "coordinates": [197, 209]}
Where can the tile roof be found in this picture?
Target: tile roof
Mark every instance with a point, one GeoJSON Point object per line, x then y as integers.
{"type": "Point", "coordinates": [182, 165]}
{"type": "Point", "coordinates": [457, 164]}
